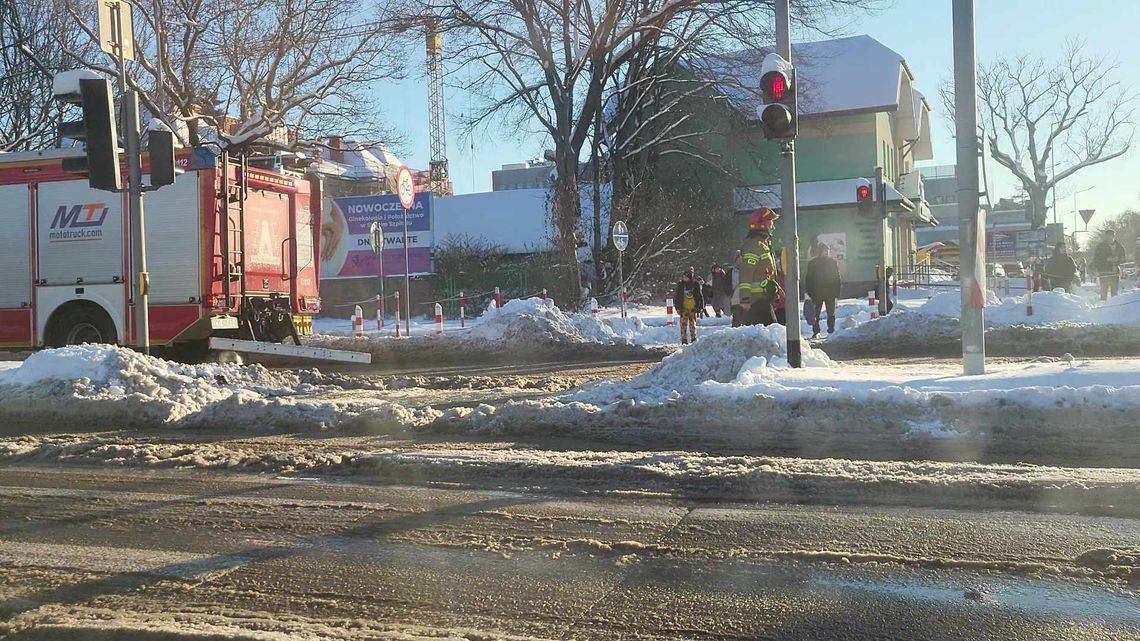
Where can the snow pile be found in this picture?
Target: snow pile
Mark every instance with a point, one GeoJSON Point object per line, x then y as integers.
{"type": "Point", "coordinates": [118, 387]}
{"type": "Point", "coordinates": [1122, 309]}
{"type": "Point", "coordinates": [1108, 384]}
{"type": "Point", "coordinates": [537, 320]}
{"type": "Point", "coordinates": [722, 356]}
{"type": "Point", "coordinates": [1048, 307]}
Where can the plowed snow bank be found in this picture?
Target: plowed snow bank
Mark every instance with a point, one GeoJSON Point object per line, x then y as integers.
{"type": "Point", "coordinates": [115, 386]}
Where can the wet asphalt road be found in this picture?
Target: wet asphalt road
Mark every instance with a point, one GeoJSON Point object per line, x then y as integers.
{"type": "Point", "coordinates": [95, 553]}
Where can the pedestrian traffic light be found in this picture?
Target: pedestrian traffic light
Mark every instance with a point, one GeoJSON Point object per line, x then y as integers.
{"type": "Point", "coordinates": [97, 128]}
{"type": "Point", "coordinates": [864, 199]}
{"type": "Point", "coordinates": [160, 151]}
{"type": "Point", "coordinates": [779, 115]}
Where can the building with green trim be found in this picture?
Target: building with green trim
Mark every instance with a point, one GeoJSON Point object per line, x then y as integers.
{"type": "Point", "coordinates": [859, 109]}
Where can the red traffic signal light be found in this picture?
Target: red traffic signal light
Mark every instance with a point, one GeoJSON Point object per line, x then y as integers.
{"type": "Point", "coordinates": [863, 199]}
{"type": "Point", "coordinates": [778, 87]}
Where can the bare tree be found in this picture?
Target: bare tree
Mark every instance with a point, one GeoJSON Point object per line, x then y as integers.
{"type": "Point", "coordinates": [547, 61]}
{"type": "Point", "coordinates": [29, 54]}
{"type": "Point", "coordinates": [270, 63]}
{"type": "Point", "coordinates": [1045, 121]}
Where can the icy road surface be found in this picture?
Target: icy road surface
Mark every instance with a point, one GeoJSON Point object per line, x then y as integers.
{"type": "Point", "coordinates": [114, 554]}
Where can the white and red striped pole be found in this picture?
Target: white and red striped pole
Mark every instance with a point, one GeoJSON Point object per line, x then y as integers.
{"type": "Point", "coordinates": [594, 307]}
{"type": "Point", "coordinates": [543, 293]}
{"type": "Point", "coordinates": [669, 311]}
{"type": "Point", "coordinates": [1028, 295]}
{"type": "Point", "coordinates": [438, 319]}
{"type": "Point", "coordinates": [358, 322]}
{"type": "Point", "coordinates": [872, 305]}
{"type": "Point", "coordinates": [379, 316]}
{"type": "Point", "coordinates": [498, 299]}
{"type": "Point", "coordinates": [462, 310]}
{"type": "Point", "coordinates": [397, 314]}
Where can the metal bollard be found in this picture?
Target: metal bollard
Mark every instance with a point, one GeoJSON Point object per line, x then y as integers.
{"type": "Point", "coordinates": [669, 310]}
{"type": "Point", "coordinates": [438, 319]}
{"type": "Point", "coordinates": [462, 310]}
{"type": "Point", "coordinates": [379, 316]}
{"type": "Point", "coordinates": [498, 299]}
{"type": "Point", "coordinates": [358, 322]}
{"type": "Point", "coordinates": [1029, 296]}
{"type": "Point", "coordinates": [397, 314]}
{"type": "Point", "coordinates": [872, 304]}
{"type": "Point", "coordinates": [594, 306]}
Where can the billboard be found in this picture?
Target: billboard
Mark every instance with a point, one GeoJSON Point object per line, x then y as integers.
{"type": "Point", "coordinates": [346, 244]}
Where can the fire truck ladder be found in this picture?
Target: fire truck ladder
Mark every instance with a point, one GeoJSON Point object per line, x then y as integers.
{"type": "Point", "coordinates": [233, 236]}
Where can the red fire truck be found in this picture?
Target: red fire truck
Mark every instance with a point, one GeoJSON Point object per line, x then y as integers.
{"type": "Point", "coordinates": [231, 257]}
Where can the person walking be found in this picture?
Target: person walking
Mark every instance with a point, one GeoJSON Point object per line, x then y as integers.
{"type": "Point", "coordinates": [706, 298]}
{"type": "Point", "coordinates": [1107, 257]}
{"type": "Point", "coordinates": [823, 283]}
{"type": "Point", "coordinates": [688, 300]}
{"type": "Point", "coordinates": [1060, 269]}
{"type": "Point", "coordinates": [721, 291]}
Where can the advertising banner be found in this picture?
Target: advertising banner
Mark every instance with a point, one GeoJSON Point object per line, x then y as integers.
{"type": "Point", "coordinates": [346, 242]}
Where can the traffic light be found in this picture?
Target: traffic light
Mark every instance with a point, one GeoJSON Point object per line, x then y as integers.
{"type": "Point", "coordinates": [864, 199]}
{"type": "Point", "coordinates": [160, 150]}
{"type": "Point", "coordinates": [779, 115]}
{"type": "Point", "coordinates": [97, 129]}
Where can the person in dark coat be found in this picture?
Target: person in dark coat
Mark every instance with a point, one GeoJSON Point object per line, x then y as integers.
{"type": "Point", "coordinates": [1107, 257]}
{"type": "Point", "coordinates": [706, 297]}
{"type": "Point", "coordinates": [688, 299]}
{"type": "Point", "coordinates": [823, 282]}
{"type": "Point", "coordinates": [1060, 269]}
{"type": "Point", "coordinates": [721, 291]}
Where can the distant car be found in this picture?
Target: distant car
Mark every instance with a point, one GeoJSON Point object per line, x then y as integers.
{"type": "Point", "coordinates": [1014, 270]}
{"type": "Point", "coordinates": [995, 270]}
{"type": "Point", "coordinates": [1128, 269]}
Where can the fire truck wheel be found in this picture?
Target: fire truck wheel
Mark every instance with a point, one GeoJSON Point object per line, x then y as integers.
{"type": "Point", "coordinates": [226, 357]}
{"type": "Point", "coordinates": [80, 324]}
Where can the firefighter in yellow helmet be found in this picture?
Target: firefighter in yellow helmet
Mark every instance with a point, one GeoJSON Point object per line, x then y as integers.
{"type": "Point", "coordinates": [756, 287]}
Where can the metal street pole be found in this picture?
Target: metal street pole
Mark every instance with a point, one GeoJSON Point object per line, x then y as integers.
{"type": "Point", "coordinates": [130, 121]}
{"type": "Point", "coordinates": [788, 201]}
{"type": "Point", "coordinates": [881, 211]}
{"type": "Point", "coordinates": [972, 254]}
{"type": "Point", "coordinates": [621, 283]}
{"type": "Point", "coordinates": [407, 282]}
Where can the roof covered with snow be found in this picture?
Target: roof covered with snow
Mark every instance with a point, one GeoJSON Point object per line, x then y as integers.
{"type": "Point", "coordinates": [372, 162]}
{"type": "Point", "coordinates": [845, 75]}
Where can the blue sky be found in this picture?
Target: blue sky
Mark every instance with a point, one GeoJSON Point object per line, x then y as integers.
{"type": "Point", "coordinates": [920, 30]}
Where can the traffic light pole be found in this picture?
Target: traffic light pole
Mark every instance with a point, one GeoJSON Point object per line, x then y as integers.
{"type": "Point", "coordinates": [788, 201]}
{"type": "Point", "coordinates": [130, 130]}
{"type": "Point", "coordinates": [881, 212]}
{"type": "Point", "coordinates": [972, 258]}
{"type": "Point", "coordinates": [138, 221]}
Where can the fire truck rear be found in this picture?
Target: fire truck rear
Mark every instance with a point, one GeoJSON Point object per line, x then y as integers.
{"type": "Point", "coordinates": [231, 257]}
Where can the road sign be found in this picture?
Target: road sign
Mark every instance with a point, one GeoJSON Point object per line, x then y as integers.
{"type": "Point", "coordinates": [109, 31]}
{"type": "Point", "coordinates": [621, 236]}
{"type": "Point", "coordinates": [1087, 214]}
{"type": "Point", "coordinates": [377, 237]}
{"type": "Point", "coordinates": [406, 188]}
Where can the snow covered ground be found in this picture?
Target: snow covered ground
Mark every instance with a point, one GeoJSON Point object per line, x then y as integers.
{"type": "Point", "coordinates": [104, 385]}
{"type": "Point", "coordinates": [730, 391]}
{"type": "Point", "coordinates": [532, 321]}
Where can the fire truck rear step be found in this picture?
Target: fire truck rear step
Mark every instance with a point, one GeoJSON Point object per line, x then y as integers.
{"type": "Point", "coordinates": [279, 349]}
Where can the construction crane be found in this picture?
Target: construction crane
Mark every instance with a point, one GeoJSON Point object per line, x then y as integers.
{"type": "Point", "coordinates": [437, 174]}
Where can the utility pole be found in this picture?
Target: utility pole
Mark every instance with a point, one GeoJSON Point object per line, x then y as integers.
{"type": "Point", "coordinates": [788, 199]}
{"type": "Point", "coordinates": [971, 227]}
{"type": "Point", "coordinates": [881, 212]}
{"type": "Point", "coordinates": [130, 128]}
